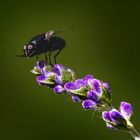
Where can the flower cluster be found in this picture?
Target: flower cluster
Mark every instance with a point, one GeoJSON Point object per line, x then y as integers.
{"type": "Point", "coordinates": [53, 76]}
{"type": "Point", "coordinates": [92, 93]}
{"type": "Point", "coordinates": [119, 119]}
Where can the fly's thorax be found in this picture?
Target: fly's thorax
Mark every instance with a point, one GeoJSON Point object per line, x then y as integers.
{"type": "Point", "coordinates": [49, 34]}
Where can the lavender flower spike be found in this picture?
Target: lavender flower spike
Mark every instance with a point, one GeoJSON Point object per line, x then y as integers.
{"type": "Point", "coordinates": [93, 93]}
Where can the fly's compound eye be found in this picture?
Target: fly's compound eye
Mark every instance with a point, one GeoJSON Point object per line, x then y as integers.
{"type": "Point", "coordinates": [30, 47]}
{"type": "Point", "coordinates": [25, 47]}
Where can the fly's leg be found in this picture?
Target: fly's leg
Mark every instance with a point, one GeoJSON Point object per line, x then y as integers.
{"type": "Point", "coordinates": [46, 57]}
{"type": "Point", "coordinates": [37, 57]}
{"type": "Point", "coordinates": [50, 57]}
{"type": "Point", "coordinates": [56, 55]}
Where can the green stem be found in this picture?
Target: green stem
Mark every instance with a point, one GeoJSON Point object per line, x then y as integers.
{"type": "Point", "coordinates": [134, 133]}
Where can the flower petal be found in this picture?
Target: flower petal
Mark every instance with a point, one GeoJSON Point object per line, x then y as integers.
{"type": "Point", "coordinates": [75, 98]}
{"type": "Point", "coordinates": [95, 84]}
{"type": "Point", "coordinates": [126, 110]}
{"type": "Point", "coordinates": [57, 68]}
{"type": "Point", "coordinates": [116, 116]}
{"type": "Point", "coordinates": [40, 64]}
{"type": "Point", "coordinates": [110, 126]}
{"type": "Point", "coordinates": [92, 95]}
{"type": "Point", "coordinates": [87, 78]}
{"type": "Point", "coordinates": [106, 116]}
{"type": "Point", "coordinates": [70, 86]}
{"type": "Point", "coordinates": [40, 79]}
{"type": "Point", "coordinates": [58, 80]}
{"type": "Point", "coordinates": [58, 89]}
{"type": "Point", "coordinates": [80, 82]}
{"type": "Point", "coordinates": [88, 104]}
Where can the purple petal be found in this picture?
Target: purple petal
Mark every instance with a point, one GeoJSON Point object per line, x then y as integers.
{"type": "Point", "coordinates": [106, 86]}
{"type": "Point", "coordinates": [116, 116]}
{"type": "Point", "coordinates": [70, 86]}
{"type": "Point", "coordinates": [80, 82]}
{"type": "Point", "coordinates": [58, 89]}
{"type": "Point", "coordinates": [95, 84]}
{"type": "Point", "coordinates": [49, 75]}
{"type": "Point", "coordinates": [40, 64]}
{"type": "Point", "coordinates": [87, 78]}
{"type": "Point", "coordinates": [106, 116]}
{"type": "Point", "coordinates": [75, 98]}
{"type": "Point", "coordinates": [40, 79]}
{"type": "Point", "coordinates": [109, 126]}
{"type": "Point", "coordinates": [88, 104]}
{"type": "Point", "coordinates": [57, 69]}
{"type": "Point", "coordinates": [58, 80]}
{"type": "Point", "coordinates": [126, 110]}
{"type": "Point", "coordinates": [92, 95]}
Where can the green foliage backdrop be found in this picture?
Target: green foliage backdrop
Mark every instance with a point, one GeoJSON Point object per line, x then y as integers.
{"type": "Point", "coordinates": [104, 43]}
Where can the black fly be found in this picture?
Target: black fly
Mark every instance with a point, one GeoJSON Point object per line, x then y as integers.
{"type": "Point", "coordinates": [44, 43]}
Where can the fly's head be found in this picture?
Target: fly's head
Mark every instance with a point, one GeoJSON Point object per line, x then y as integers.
{"type": "Point", "coordinates": [29, 50]}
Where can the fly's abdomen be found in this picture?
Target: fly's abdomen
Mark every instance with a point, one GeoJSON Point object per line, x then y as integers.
{"type": "Point", "coordinates": [57, 43]}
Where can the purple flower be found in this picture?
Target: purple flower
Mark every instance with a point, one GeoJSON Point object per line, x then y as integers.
{"type": "Point", "coordinates": [92, 95]}
{"type": "Point", "coordinates": [47, 79]}
{"type": "Point", "coordinates": [40, 79]}
{"type": "Point", "coordinates": [126, 110]}
{"type": "Point", "coordinates": [70, 86]}
{"type": "Point", "coordinates": [108, 125]}
{"type": "Point", "coordinates": [95, 85]}
{"type": "Point", "coordinates": [87, 78]}
{"type": "Point", "coordinates": [80, 82]}
{"type": "Point", "coordinates": [58, 80]}
{"type": "Point", "coordinates": [76, 88]}
{"type": "Point", "coordinates": [58, 89]}
{"type": "Point", "coordinates": [88, 104]}
{"type": "Point", "coordinates": [114, 119]}
{"type": "Point", "coordinates": [75, 98]}
{"type": "Point", "coordinates": [106, 116]}
{"type": "Point", "coordinates": [116, 116]}
{"type": "Point", "coordinates": [63, 74]}
{"type": "Point", "coordinates": [40, 64]}
{"type": "Point", "coordinates": [57, 68]}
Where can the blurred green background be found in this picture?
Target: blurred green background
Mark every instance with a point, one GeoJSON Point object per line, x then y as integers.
{"type": "Point", "coordinates": [104, 43]}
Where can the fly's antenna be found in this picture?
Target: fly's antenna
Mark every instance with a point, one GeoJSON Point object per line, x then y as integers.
{"type": "Point", "coordinates": [63, 30]}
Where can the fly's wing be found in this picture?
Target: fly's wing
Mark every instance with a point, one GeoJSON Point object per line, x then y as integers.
{"type": "Point", "coordinates": [65, 29]}
{"type": "Point", "coordinates": [37, 39]}
{"type": "Point", "coordinates": [57, 43]}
